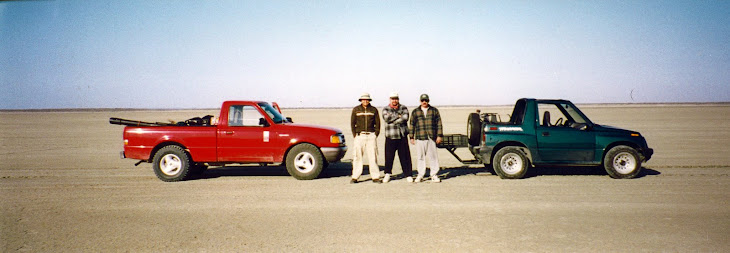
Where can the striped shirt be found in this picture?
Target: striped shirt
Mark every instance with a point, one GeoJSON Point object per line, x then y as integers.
{"type": "Point", "coordinates": [396, 122]}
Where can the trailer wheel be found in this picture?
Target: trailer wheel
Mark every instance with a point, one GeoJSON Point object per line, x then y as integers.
{"type": "Point", "coordinates": [474, 129]}
{"type": "Point", "coordinates": [304, 162]}
{"type": "Point", "coordinates": [622, 162]}
{"type": "Point", "coordinates": [510, 163]}
{"type": "Point", "coordinates": [171, 164]}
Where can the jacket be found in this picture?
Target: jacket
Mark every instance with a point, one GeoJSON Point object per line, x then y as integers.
{"type": "Point", "coordinates": [365, 119]}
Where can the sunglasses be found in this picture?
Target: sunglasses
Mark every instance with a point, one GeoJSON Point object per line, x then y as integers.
{"type": "Point", "coordinates": [424, 100]}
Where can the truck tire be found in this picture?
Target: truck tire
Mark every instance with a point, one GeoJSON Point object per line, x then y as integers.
{"type": "Point", "coordinates": [171, 164]}
{"type": "Point", "coordinates": [304, 162]}
{"type": "Point", "coordinates": [622, 162]}
{"type": "Point", "coordinates": [510, 163]}
{"type": "Point", "coordinates": [474, 129]}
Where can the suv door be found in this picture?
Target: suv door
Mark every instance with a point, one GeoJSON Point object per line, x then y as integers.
{"type": "Point", "coordinates": [557, 140]}
{"type": "Point", "coordinates": [246, 138]}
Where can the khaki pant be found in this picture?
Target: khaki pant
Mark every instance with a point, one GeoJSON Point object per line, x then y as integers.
{"type": "Point", "coordinates": [365, 144]}
{"type": "Point", "coordinates": [426, 149]}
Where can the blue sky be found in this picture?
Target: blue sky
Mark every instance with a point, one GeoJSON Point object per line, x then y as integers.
{"type": "Point", "coordinates": [196, 54]}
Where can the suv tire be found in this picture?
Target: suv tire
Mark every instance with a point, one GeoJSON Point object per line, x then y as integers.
{"type": "Point", "coordinates": [622, 162]}
{"type": "Point", "coordinates": [510, 163]}
{"type": "Point", "coordinates": [474, 129]}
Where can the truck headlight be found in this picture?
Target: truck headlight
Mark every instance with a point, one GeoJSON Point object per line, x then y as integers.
{"type": "Point", "coordinates": [337, 139]}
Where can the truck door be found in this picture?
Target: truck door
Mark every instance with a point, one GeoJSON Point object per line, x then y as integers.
{"type": "Point", "coordinates": [246, 137]}
{"type": "Point", "coordinates": [557, 141]}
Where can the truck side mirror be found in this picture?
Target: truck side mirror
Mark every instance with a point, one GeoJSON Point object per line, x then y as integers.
{"type": "Point", "coordinates": [289, 119]}
{"type": "Point", "coordinates": [263, 122]}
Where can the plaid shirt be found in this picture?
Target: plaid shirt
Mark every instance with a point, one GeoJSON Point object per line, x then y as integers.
{"type": "Point", "coordinates": [424, 127]}
{"type": "Point", "coordinates": [396, 122]}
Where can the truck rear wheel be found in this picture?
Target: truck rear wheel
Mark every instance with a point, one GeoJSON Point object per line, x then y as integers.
{"type": "Point", "coordinates": [510, 163]}
{"type": "Point", "coordinates": [304, 162]}
{"type": "Point", "coordinates": [171, 164]}
{"type": "Point", "coordinates": [474, 129]}
{"type": "Point", "coordinates": [622, 162]}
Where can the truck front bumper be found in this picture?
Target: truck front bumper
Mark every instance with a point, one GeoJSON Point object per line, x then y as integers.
{"type": "Point", "coordinates": [333, 154]}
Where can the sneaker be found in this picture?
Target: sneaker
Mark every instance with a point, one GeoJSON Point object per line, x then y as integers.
{"type": "Point", "coordinates": [435, 179]}
{"type": "Point", "coordinates": [418, 179]}
{"type": "Point", "coordinates": [377, 181]}
{"type": "Point", "coordinates": [409, 179]}
{"type": "Point", "coordinates": [353, 181]}
{"type": "Point", "coordinates": [386, 178]}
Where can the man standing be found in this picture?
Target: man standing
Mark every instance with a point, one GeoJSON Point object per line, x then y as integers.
{"type": "Point", "coordinates": [396, 138]}
{"type": "Point", "coordinates": [365, 125]}
{"type": "Point", "coordinates": [426, 131]}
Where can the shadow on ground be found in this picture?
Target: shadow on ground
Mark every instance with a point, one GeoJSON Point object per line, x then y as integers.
{"type": "Point", "coordinates": [580, 171]}
{"type": "Point", "coordinates": [333, 170]}
{"type": "Point", "coordinates": [344, 169]}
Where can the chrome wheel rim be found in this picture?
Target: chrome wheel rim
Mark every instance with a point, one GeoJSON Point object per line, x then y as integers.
{"type": "Point", "coordinates": [304, 162]}
{"type": "Point", "coordinates": [170, 165]}
{"type": "Point", "coordinates": [624, 163]}
{"type": "Point", "coordinates": [511, 163]}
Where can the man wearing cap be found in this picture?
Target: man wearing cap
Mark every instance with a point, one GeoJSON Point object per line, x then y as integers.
{"type": "Point", "coordinates": [395, 116]}
{"type": "Point", "coordinates": [426, 131]}
{"type": "Point", "coordinates": [365, 125]}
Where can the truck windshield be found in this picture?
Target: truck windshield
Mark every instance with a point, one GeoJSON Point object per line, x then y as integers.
{"type": "Point", "coordinates": [274, 114]}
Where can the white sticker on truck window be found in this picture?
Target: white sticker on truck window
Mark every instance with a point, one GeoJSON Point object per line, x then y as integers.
{"type": "Point", "coordinates": [266, 136]}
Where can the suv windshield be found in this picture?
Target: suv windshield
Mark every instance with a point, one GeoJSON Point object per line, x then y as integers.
{"type": "Point", "coordinates": [573, 112]}
{"type": "Point", "coordinates": [274, 114]}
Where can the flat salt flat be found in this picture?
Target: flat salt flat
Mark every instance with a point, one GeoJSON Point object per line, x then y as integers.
{"type": "Point", "coordinates": [63, 188]}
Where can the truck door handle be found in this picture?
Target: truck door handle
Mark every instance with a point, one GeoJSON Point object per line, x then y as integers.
{"type": "Point", "coordinates": [229, 132]}
{"type": "Point", "coordinates": [545, 133]}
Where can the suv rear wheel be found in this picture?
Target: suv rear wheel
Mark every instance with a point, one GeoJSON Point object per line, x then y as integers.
{"type": "Point", "coordinates": [510, 163]}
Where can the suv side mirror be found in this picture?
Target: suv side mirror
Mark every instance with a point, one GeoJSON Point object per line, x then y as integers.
{"type": "Point", "coordinates": [289, 119]}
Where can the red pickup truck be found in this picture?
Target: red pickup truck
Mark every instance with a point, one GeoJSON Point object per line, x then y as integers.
{"type": "Point", "coordinates": [245, 132]}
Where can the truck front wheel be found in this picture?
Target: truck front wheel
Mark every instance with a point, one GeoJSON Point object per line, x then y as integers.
{"type": "Point", "coordinates": [622, 162]}
{"type": "Point", "coordinates": [171, 163]}
{"type": "Point", "coordinates": [304, 162]}
{"type": "Point", "coordinates": [510, 163]}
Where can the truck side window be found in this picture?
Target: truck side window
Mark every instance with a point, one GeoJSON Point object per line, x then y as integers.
{"type": "Point", "coordinates": [244, 115]}
{"type": "Point", "coordinates": [235, 115]}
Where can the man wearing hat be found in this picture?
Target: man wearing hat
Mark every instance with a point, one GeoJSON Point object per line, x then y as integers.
{"type": "Point", "coordinates": [395, 116]}
{"type": "Point", "coordinates": [365, 125]}
{"type": "Point", "coordinates": [426, 131]}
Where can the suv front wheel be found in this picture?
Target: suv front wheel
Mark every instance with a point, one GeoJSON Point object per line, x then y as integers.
{"type": "Point", "coordinates": [622, 162]}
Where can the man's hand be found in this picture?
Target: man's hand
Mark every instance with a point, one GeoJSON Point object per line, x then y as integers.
{"type": "Point", "coordinates": [438, 140]}
{"type": "Point", "coordinates": [413, 141]}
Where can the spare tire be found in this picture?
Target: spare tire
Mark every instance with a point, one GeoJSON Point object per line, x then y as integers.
{"type": "Point", "coordinates": [474, 129]}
